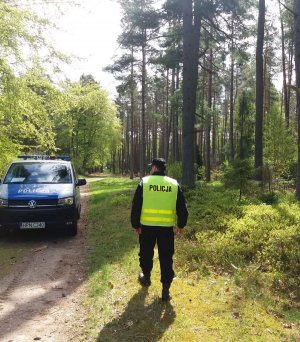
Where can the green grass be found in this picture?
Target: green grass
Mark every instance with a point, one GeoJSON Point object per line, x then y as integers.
{"type": "Point", "coordinates": [206, 305]}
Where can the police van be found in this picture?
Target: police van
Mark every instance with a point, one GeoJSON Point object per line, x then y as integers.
{"type": "Point", "coordinates": [40, 192]}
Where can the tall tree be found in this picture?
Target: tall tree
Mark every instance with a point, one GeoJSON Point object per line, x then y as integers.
{"type": "Point", "coordinates": [259, 88]}
{"type": "Point", "coordinates": [140, 22]}
{"type": "Point", "coordinates": [284, 68]}
{"type": "Point", "coordinates": [88, 129]}
{"type": "Point", "coordinates": [297, 70]}
{"type": "Point", "coordinates": [209, 117]}
{"type": "Point", "coordinates": [191, 38]}
{"type": "Point", "coordinates": [124, 70]}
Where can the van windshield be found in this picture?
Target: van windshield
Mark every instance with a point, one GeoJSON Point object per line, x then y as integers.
{"type": "Point", "coordinates": [39, 173]}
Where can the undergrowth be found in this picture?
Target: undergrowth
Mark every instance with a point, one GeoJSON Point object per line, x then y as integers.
{"type": "Point", "coordinates": [260, 242]}
{"type": "Point", "coordinates": [221, 290]}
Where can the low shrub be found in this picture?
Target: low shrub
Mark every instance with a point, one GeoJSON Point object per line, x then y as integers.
{"type": "Point", "coordinates": [175, 170]}
{"type": "Point", "coordinates": [269, 197]}
{"type": "Point", "coordinates": [226, 233]}
{"type": "Point", "coordinates": [200, 173]}
{"type": "Point", "coordinates": [121, 200]}
{"type": "Point", "coordinates": [238, 174]}
{"type": "Point", "coordinates": [281, 251]}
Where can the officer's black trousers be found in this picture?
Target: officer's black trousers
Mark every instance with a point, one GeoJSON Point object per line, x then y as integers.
{"type": "Point", "coordinates": [164, 237]}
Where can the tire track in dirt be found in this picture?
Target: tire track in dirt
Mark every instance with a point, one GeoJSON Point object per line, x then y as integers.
{"type": "Point", "coordinates": [12, 281]}
{"type": "Point", "coordinates": [39, 298]}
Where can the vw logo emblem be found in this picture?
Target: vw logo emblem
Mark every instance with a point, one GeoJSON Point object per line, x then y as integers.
{"type": "Point", "coordinates": [32, 204]}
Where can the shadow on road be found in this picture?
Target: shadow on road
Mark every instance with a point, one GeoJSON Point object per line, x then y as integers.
{"type": "Point", "coordinates": [139, 321]}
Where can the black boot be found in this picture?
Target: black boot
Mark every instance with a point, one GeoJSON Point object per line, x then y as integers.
{"type": "Point", "coordinates": [144, 279]}
{"type": "Point", "coordinates": [165, 296]}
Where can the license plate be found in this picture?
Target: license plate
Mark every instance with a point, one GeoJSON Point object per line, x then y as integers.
{"type": "Point", "coordinates": [32, 225]}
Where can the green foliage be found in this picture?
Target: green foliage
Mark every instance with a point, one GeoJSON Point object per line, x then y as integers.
{"type": "Point", "coordinates": [269, 197]}
{"type": "Point", "coordinates": [212, 207]}
{"type": "Point", "coordinates": [27, 99]}
{"type": "Point", "coordinates": [279, 143]}
{"type": "Point", "coordinates": [121, 200]}
{"type": "Point", "coordinates": [24, 113]}
{"type": "Point", "coordinates": [244, 237]}
{"type": "Point", "coordinates": [281, 252]}
{"type": "Point", "coordinates": [246, 123]}
{"type": "Point", "coordinates": [88, 129]}
{"type": "Point", "coordinates": [8, 151]}
{"type": "Point", "coordinates": [230, 234]}
{"type": "Point", "coordinates": [175, 170]}
{"type": "Point", "coordinates": [200, 173]}
{"type": "Point", "coordinates": [19, 28]}
{"type": "Point", "coordinates": [237, 175]}
{"type": "Point", "coordinates": [38, 118]}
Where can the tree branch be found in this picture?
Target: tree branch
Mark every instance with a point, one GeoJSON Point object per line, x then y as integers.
{"type": "Point", "coordinates": [287, 8]}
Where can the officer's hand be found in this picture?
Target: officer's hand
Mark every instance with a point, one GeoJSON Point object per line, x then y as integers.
{"type": "Point", "coordinates": [138, 231]}
{"type": "Point", "coordinates": [179, 231]}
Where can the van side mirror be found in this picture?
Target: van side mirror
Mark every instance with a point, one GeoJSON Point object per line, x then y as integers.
{"type": "Point", "coordinates": [81, 181]}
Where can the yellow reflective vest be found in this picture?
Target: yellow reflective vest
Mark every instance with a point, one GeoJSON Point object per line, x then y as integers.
{"type": "Point", "coordinates": [159, 201]}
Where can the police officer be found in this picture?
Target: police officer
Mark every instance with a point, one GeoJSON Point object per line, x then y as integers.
{"type": "Point", "coordinates": [157, 201]}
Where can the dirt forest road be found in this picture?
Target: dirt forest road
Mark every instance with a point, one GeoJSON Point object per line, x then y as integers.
{"type": "Point", "coordinates": [40, 298]}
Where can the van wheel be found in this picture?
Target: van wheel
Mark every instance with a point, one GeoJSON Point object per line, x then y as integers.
{"type": "Point", "coordinates": [73, 229]}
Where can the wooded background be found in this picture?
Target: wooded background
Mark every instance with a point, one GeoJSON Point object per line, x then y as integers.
{"type": "Point", "coordinates": [199, 85]}
{"type": "Point", "coordinates": [204, 84]}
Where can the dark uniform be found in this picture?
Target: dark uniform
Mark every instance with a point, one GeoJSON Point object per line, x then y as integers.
{"type": "Point", "coordinates": [163, 236]}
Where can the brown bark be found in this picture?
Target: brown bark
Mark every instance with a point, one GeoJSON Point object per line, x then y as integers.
{"type": "Point", "coordinates": [208, 121]}
{"type": "Point", "coordinates": [191, 37]}
{"type": "Point", "coordinates": [259, 89]}
{"type": "Point", "coordinates": [231, 100]}
{"type": "Point", "coordinates": [297, 72]}
{"type": "Point", "coordinates": [143, 112]}
{"type": "Point", "coordinates": [283, 60]}
{"type": "Point", "coordinates": [131, 119]}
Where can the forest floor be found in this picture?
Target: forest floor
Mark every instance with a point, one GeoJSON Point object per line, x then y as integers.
{"type": "Point", "coordinates": [85, 288]}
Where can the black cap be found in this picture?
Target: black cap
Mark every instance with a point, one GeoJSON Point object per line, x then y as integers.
{"type": "Point", "coordinates": [159, 162]}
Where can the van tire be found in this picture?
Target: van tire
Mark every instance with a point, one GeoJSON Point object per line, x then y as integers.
{"type": "Point", "coordinates": [73, 229]}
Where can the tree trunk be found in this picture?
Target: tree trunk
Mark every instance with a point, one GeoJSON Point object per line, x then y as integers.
{"type": "Point", "coordinates": [259, 90]}
{"type": "Point", "coordinates": [225, 130]}
{"type": "Point", "coordinates": [131, 118]}
{"type": "Point", "coordinates": [297, 72]}
{"type": "Point", "coordinates": [166, 120]}
{"type": "Point", "coordinates": [208, 121]}
{"type": "Point", "coordinates": [173, 118]}
{"type": "Point", "coordinates": [143, 133]}
{"type": "Point", "coordinates": [290, 70]}
{"type": "Point", "coordinates": [191, 36]}
{"type": "Point", "coordinates": [154, 128]}
{"type": "Point", "coordinates": [283, 60]}
{"type": "Point", "coordinates": [231, 134]}
{"type": "Point", "coordinates": [214, 133]}
{"type": "Point", "coordinates": [177, 133]}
